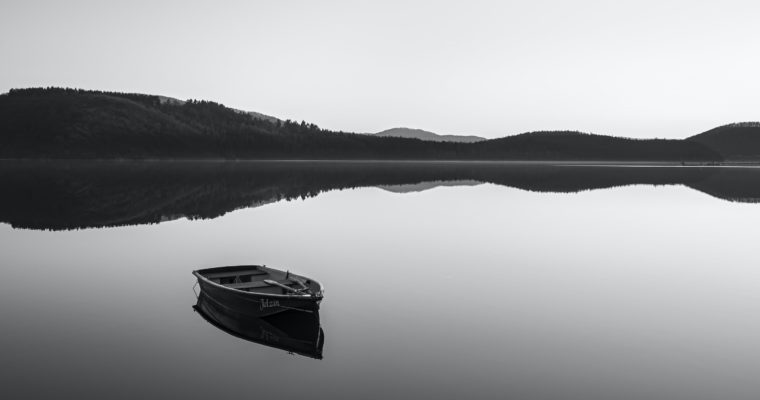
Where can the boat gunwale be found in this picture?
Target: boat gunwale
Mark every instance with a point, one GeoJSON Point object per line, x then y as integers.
{"type": "Point", "coordinates": [315, 297]}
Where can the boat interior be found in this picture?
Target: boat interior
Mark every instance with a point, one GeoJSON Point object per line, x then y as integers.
{"type": "Point", "coordinates": [259, 279]}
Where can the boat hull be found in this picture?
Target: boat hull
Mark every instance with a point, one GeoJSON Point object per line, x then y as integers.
{"type": "Point", "coordinates": [257, 304]}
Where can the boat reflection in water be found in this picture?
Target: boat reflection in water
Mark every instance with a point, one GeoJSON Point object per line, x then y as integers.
{"type": "Point", "coordinates": [292, 331]}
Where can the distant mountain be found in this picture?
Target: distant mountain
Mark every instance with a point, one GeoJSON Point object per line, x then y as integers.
{"type": "Point", "coordinates": [170, 100]}
{"type": "Point", "coordinates": [426, 135]}
{"type": "Point", "coordinates": [735, 142]}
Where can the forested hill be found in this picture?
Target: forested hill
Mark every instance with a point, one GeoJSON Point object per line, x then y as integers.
{"type": "Point", "coordinates": [735, 142]}
{"type": "Point", "coordinates": [584, 146]}
{"type": "Point", "coordinates": [71, 123]}
{"type": "Point", "coordinates": [67, 123]}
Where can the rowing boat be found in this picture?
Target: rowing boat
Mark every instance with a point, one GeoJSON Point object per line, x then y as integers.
{"type": "Point", "coordinates": [259, 291]}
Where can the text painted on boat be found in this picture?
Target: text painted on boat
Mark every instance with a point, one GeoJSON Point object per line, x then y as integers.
{"type": "Point", "coordinates": [266, 303]}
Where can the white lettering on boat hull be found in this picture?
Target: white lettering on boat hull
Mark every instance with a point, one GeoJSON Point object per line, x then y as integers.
{"type": "Point", "coordinates": [266, 303]}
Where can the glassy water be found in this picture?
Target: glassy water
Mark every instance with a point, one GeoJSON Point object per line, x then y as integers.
{"type": "Point", "coordinates": [442, 281]}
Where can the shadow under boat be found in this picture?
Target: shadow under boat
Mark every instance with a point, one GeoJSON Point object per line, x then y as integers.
{"type": "Point", "coordinates": [292, 331]}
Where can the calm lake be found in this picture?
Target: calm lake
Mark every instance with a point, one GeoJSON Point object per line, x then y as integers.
{"type": "Point", "coordinates": [443, 280]}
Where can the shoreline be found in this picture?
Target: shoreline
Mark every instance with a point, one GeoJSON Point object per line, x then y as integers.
{"type": "Point", "coordinates": [569, 163]}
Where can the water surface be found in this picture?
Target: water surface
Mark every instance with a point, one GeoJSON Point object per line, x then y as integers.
{"type": "Point", "coordinates": [478, 281]}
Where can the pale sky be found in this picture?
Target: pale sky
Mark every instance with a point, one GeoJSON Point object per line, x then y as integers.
{"type": "Point", "coordinates": [635, 68]}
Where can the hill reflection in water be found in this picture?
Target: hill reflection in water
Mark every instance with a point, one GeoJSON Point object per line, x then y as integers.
{"type": "Point", "coordinates": [71, 195]}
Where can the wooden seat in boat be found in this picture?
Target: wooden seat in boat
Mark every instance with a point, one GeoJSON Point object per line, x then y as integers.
{"type": "Point", "coordinates": [256, 284]}
{"type": "Point", "coordinates": [231, 274]}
